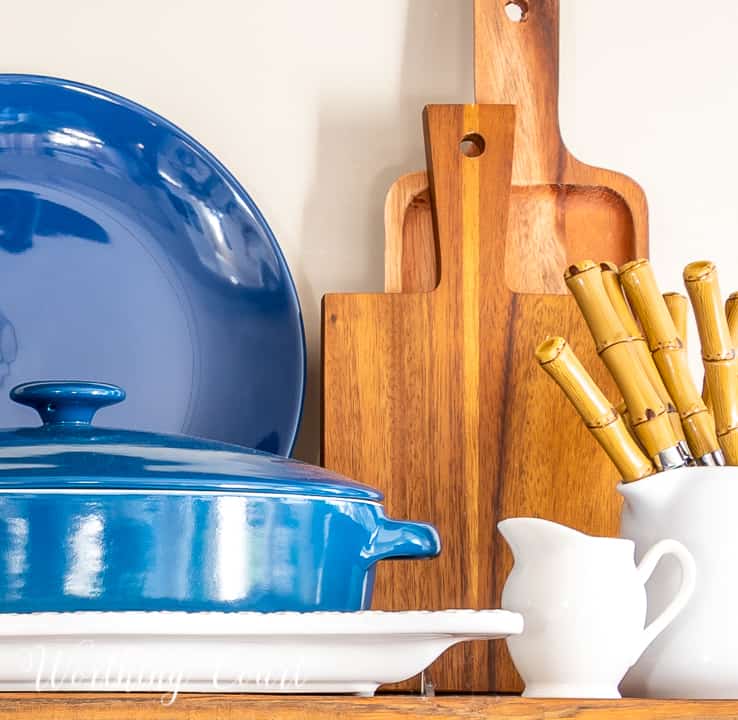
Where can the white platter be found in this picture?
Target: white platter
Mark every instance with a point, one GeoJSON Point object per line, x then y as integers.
{"type": "Point", "coordinates": [173, 652]}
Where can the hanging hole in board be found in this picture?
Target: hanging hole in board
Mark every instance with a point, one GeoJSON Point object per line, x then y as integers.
{"type": "Point", "coordinates": [472, 145]}
{"type": "Point", "coordinates": [516, 10]}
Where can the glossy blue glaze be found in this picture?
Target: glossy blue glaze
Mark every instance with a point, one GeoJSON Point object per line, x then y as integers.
{"type": "Point", "coordinates": [107, 519]}
{"type": "Point", "coordinates": [68, 452]}
{"type": "Point", "coordinates": [67, 402]}
{"type": "Point", "coordinates": [128, 252]}
{"type": "Point", "coordinates": [160, 551]}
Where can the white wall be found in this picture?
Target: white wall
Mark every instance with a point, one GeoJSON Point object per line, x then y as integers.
{"type": "Point", "coordinates": [315, 106]}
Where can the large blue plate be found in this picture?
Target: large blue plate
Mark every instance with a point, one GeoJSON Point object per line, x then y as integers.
{"type": "Point", "coordinates": [128, 252]}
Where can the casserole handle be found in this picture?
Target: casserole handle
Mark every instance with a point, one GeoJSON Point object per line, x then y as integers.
{"type": "Point", "coordinates": [402, 539]}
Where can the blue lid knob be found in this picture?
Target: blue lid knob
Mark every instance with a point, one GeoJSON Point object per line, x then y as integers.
{"type": "Point", "coordinates": [67, 402]}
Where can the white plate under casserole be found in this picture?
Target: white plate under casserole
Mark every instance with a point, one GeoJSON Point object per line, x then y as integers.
{"type": "Point", "coordinates": [172, 652]}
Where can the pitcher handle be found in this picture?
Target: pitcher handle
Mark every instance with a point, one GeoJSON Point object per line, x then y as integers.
{"type": "Point", "coordinates": [645, 569]}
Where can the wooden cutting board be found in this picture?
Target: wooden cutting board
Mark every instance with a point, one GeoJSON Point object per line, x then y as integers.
{"type": "Point", "coordinates": [561, 209]}
{"type": "Point", "coordinates": [436, 399]}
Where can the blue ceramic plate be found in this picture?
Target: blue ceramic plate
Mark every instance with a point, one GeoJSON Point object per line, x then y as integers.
{"type": "Point", "coordinates": [128, 252]}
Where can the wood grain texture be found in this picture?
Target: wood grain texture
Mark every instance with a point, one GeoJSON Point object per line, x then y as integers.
{"type": "Point", "coordinates": [410, 261]}
{"type": "Point", "coordinates": [142, 706]}
{"type": "Point", "coordinates": [561, 209]}
{"type": "Point", "coordinates": [436, 399]}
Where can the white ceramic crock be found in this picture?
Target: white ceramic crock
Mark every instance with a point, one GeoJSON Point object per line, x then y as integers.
{"type": "Point", "coordinates": [697, 655]}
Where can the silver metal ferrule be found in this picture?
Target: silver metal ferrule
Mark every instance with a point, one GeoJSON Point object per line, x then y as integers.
{"type": "Point", "coordinates": [670, 458]}
{"type": "Point", "coordinates": [715, 457]}
{"type": "Point", "coordinates": [686, 452]}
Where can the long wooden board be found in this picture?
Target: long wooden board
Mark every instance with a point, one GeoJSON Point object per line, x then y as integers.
{"type": "Point", "coordinates": [561, 211]}
{"type": "Point", "coordinates": [435, 398]}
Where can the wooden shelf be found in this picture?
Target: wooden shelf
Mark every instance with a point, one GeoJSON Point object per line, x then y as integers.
{"type": "Point", "coordinates": [142, 706]}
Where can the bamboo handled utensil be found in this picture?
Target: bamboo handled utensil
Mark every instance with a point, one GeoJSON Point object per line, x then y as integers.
{"type": "Point", "coordinates": [718, 353]}
{"type": "Point", "coordinates": [648, 415]}
{"type": "Point", "coordinates": [731, 313]}
{"type": "Point", "coordinates": [622, 410]}
{"type": "Point", "coordinates": [557, 358]}
{"type": "Point", "coordinates": [668, 352]}
{"type": "Point", "coordinates": [676, 304]}
{"type": "Point", "coordinates": [614, 290]}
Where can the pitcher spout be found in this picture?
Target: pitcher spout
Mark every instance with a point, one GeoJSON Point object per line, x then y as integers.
{"type": "Point", "coordinates": [535, 537]}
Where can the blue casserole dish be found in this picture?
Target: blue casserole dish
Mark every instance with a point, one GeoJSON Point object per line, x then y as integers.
{"type": "Point", "coordinates": [101, 519]}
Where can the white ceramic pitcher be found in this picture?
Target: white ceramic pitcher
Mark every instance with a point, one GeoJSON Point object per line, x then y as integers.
{"type": "Point", "coordinates": [583, 601]}
{"type": "Point", "coordinates": [697, 657]}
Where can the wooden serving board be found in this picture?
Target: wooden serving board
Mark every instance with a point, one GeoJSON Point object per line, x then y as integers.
{"type": "Point", "coordinates": [435, 398]}
{"type": "Point", "coordinates": [561, 210]}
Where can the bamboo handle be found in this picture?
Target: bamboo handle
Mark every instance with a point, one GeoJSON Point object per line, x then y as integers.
{"type": "Point", "coordinates": [614, 290]}
{"type": "Point", "coordinates": [611, 281]}
{"type": "Point", "coordinates": [731, 313]}
{"type": "Point", "coordinates": [701, 279]}
{"type": "Point", "coordinates": [622, 410]}
{"type": "Point", "coordinates": [584, 280]}
{"type": "Point", "coordinates": [668, 353]}
{"type": "Point", "coordinates": [558, 359]}
{"type": "Point", "coordinates": [718, 353]}
{"type": "Point", "coordinates": [614, 345]}
{"type": "Point", "coordinates": [676, 304]}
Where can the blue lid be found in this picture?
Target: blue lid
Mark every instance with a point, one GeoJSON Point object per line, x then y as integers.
{"type": "Point", "coordinates": [68, 452]}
